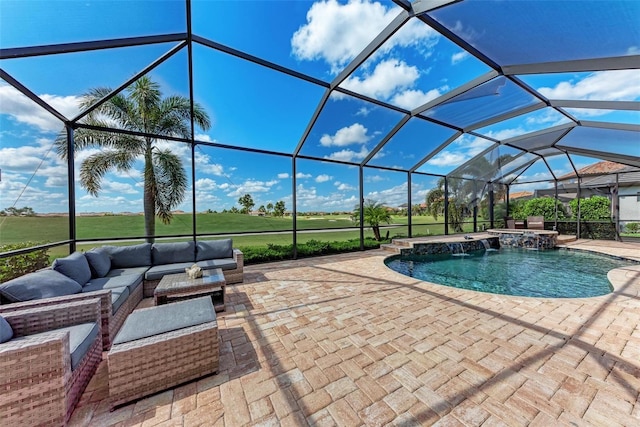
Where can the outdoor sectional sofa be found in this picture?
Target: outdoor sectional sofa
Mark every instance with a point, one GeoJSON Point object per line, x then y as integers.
{"type": "Point", "coordinates": [119, 276]}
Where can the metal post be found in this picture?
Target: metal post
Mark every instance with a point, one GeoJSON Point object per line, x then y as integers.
{"type": "Point", "coordinates": [294, 211]}
{"type": "Point", "coordinates": [361, 179]}
{"type": "Point", "coordinates": [71, 188]}
{"type": "Point", "coordinates": [410, 209]}
{"type": "Point", "coordinates": [446, 205]}
{"type": "Point", "coordinates": [615, 199]}
{"type": "Point", "coordinates": [578, 216]}
{"type": "Point", "coordinates": [491, 201]}
{"type": "Point", "coordinates": [555, 196]}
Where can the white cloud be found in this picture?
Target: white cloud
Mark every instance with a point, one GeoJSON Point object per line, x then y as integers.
{"type": "Point", "coordinates": [310, 200]}
{"type": "Point", "coordinates": [251, 186]}
{"type": "Point", "coordinates": [620, 85]}
{"type": "Point", "coordinates": [336, 32]}
{"type": "Point", "coordinates": [118, 188]}
{"type": "Point", "coordinates": [22, 109]}
{"type": "Point", "coordinates": [354, 134]}
{"type": "Point", "coordinates": [341, 186]}
{"type": "Point", "coordinates": [459, 57]}
{"type": "Point", "coordinates": [283, 175]}
{"type": "Point", "coordinates": [394, 196]}
{"type": "Point", "coordinates": [412, 98]}
{"type": "Point", "coordinates": [363, 111]}
{"type": "Point", "coordinates": [323, 178]}
{"type": "Point", "coordinates": [204, 165]}
{"type": "Point", "coordinates": [374, 178]}
{"type": "Point", "coordinates": [388, 77]}
{"type": "Point", "coordinates": [347, 155]}
{"type": "Point", "coordinates": [206, 185]}
{"type": "Point", "coordinates": [447, 158]}
{"type": "Point", "coordinates": [301, 175]}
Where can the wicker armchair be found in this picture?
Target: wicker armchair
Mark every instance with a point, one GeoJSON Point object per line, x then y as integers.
{"type": "Point", "coordinates": [37, 384]}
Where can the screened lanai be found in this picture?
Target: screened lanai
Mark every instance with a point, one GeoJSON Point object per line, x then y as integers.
{"type": "Point", "coordinates": [320, 106]}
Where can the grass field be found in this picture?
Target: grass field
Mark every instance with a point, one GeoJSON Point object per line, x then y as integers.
{"type": "Point", "coordinates": [267, 229]}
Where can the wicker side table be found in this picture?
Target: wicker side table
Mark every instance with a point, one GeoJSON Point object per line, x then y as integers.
{"type": "Point", "coordinates": [143, 361]}
{"type": "Point", "coordinates": [177, 287]}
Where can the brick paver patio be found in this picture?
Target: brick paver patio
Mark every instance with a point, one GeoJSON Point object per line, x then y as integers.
{"type": "Point", "coordinates": [342, 340]}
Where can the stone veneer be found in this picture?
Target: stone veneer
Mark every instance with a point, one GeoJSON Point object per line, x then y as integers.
{"type": "Point", "coordinates": [536, 239]}
{"type": "Point", "coordinates": [436, 248]}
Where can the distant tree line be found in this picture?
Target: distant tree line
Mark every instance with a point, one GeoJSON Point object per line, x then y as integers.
{"type": "Point", "coordinates": [12, 211]}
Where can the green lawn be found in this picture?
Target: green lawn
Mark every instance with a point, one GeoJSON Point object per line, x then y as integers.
{"type": "Point", "coordinates": [267, 229]}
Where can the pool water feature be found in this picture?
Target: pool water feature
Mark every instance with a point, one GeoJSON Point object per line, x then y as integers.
{"type": "Point", "coordinates": [550, 274]}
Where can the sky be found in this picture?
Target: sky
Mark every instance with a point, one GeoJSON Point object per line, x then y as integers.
{"type": "Point", "coordinates": [256, 107]}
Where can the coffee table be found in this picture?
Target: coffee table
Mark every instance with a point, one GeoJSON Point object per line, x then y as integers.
{"type": "Point", "coordinates": [177, 287]}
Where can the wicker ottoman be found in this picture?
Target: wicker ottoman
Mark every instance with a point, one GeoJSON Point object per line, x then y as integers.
{"type": "Point", "coordinates": [161, 347]}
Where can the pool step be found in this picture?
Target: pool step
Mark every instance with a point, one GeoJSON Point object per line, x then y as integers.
{"type": "Point", "coordinates": [391, 247]}
{"type": "Point", "coordinates": [566, 238]}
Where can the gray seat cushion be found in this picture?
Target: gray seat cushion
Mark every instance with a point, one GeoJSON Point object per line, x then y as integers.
{"type": "Point", "coordinates": [224, 263]}
{"type": "Point", "coordinates": [99, 262]}
{"type": "Point", "coordinates": [131, 281]}
{"type": "Point", "coordinates": [171, 253]}
{"type": "Point", "coordinates": [129, 256]}
{"type": "Point", "coordinates": [118, 296]}
{"type": "Point", "coordinates": [157, 271]}
{"type": "Point", "coordinates": [165, 318]}
{"type": "Point", "coordinates": [114, 272]}
{"type": "Point", "coordinates": [74, 266]}
{"type": "Point", "coordinates": [214, 249]}
{"type": "Point", "coordinates": [6, 331]}
{"type": "Point", "coordinates": [39, 285]}
{"type": "Point", "coordinates": [80, 339]}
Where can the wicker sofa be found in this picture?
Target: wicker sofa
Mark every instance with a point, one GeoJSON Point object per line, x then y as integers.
{"type": "Point", "coordinates": [48, 356]}
{"type": "Point", "coordinates": [119, 276]}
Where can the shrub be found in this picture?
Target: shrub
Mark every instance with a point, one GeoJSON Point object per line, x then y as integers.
{"type": "Point", "coordinates": [633, 227]}
{"type": "Point", "coordinates": [259, 254]}
{"type": "Point", "coordinates": [595, 208]}
{"type": "Point", "coordinates": [19, 265]}
{"type": "Point", "coordinates": [543, 206]}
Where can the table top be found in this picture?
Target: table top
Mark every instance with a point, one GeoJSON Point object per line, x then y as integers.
{"type": "Point", "coordinates": [180, 282]}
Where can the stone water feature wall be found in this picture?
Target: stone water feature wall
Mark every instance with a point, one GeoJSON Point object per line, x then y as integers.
{"type": "Point", "coordinates": [438, 248]}
{"type": "Point", "coordinates": [526, 239]}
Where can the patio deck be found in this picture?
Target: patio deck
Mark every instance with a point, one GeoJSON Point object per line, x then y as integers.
{"type": "Point", "coordinates": [341, 340]}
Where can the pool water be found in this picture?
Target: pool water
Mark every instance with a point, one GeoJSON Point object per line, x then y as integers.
{"type": "Point", "coordinates": [551, 273]}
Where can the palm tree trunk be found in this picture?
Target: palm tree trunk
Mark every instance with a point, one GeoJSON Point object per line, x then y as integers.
{"type": "Point", "coordinates": [376, 232]}
{"type": "Point", "coordinates": [149, 196]}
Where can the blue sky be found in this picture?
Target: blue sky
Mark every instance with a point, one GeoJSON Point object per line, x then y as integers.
{"type": "Point", "coordinates": [256, 107]}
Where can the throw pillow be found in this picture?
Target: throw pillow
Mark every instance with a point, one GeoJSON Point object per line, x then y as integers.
{"type": "Point", "coordinates": [38, 285]}
{"type": "Point", "coordinates": [214, 249]}
{"type": "Point", "coordinates": [6, 333]}
{"type": "Point", "coordinates": [129, 256]}
{"type": "Point", "coordinates": [99, 262]}
{"type": "Point", "coordinates": [170, 253]}
{"type": "Point", "coordinates": [74, 266]}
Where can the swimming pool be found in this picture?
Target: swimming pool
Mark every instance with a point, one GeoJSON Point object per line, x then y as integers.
{"type": "Point", "coordinates": [551, 274]}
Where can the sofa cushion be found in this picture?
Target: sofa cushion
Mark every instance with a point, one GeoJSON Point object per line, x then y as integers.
{"type": "Point", "coordinates": [129, 256]}
{"type": "Point", "coordinates": [223, 263]}
{"type": "Point", "coordinates": [131, 281]}
{"type": "Point", "coordinates": [115, 272]}
{"type": "Point", "coordinates": [6, 332]}
{"type": "Point", "coordinates": [171, 253]}
{"type": "Point", "coordinates": [157, 271]}
{"type": "Point", "coordinates": [80, 339]}
{"type": "Point", "coordinates": [166, 318]}
{"type": "Point", "coordinates": [99, 262]}
{"type": "Point", "coordinates": [74, 266]}
{"type": "Point", "coordinates": [118, 297]}
{"type": "Point", "coordinates": [39, 285]}
{"type": "Point", "coordinates": [214, 249]}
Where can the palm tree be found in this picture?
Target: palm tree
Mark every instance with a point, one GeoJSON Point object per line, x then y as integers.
{"type": "Point", "coordinates": [374, 214]}
{"type": "Point", "coordinates": [141, 109]}
{"type": "Point", "coordinates": [435, 205]}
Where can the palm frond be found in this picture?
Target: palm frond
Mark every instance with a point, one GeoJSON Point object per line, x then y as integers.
{"type": "Point", "coordinates": [171, 181]}
{"type": "Point", "coordinates": [96, 166]}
